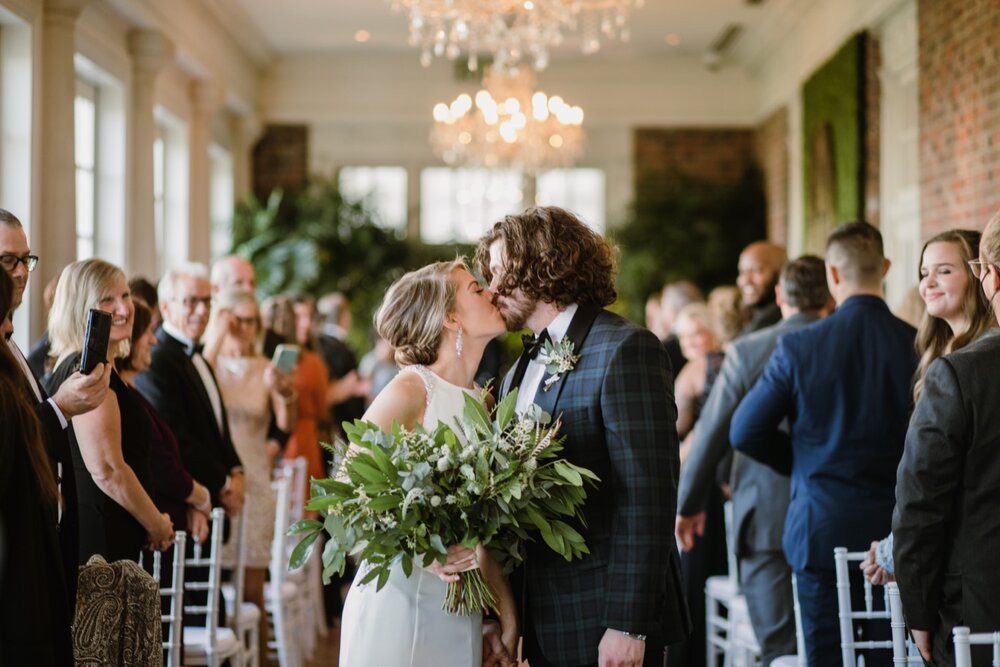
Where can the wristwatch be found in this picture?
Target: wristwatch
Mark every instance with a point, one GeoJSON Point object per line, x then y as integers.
{"type": "Point", "coordinates": [634, 635]}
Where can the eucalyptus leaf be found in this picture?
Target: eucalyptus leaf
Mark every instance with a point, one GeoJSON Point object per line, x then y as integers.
{"type": "Point", "coordinates": [302, 550]}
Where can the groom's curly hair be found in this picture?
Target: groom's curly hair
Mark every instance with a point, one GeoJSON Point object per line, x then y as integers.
{"type": "Point", "coordinates": [552, 256]}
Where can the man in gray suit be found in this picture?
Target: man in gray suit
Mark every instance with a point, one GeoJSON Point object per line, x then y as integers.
{"type": "Point", "coordinates": [760, 495]}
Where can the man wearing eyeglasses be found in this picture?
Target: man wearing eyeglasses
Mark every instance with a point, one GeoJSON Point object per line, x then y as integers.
{"type": "Point", "coordinates": [79, 394]}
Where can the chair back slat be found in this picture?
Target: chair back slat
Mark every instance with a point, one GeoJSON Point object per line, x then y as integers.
{"type": "Point", "coordinates": [213, 562]}
{"type": "Point", "coordinates": [849, 644]}
{"type": "Point", "coordinates": [964, 639]}
{"type": "Point", "coordinates": [173, 629]}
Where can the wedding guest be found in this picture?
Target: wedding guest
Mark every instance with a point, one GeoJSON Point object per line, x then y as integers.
{"type": "Point", "coordinates": [695, 329]}
{"type": "Point", "coordinates": [843, 384]}
{"type": "Point", "coordinates": [347, 391]}
{"type": "Point", "coordinates": [759, 266]}
{"type": "Point", "coordinates": [145, 291]}
{"type": "Point", "coordinates": [254, 392]}
{"type": "Point", "coordinates": [175, 492]}
{"type": "Point", "coordinates": [945, 521]}
{"type": "Point", "coordinates": [310, 381]}
{"type": "Point", "coordinates": [760, 495]}
{"type": "Point", "coordinates": [654, 316]}
{"type": "Point", "coordinates": [728, 312]}
{"type": "Point", "coordinates": [180, 385]}
{"type": "Point", "coordinates": [378, 366]}
{"type": "Point", "coordinates": [110, 444]}
{"type": "Point", "coordinates": [954, 316]}
{"type": "Point", "coordinates": [696, 332]}
{"type": "Point", "coordinates": [79, 394]}
{"type": "Point", "coordinates": [675, 297]}
{"type": "Point", "coordinates": [34, 611]}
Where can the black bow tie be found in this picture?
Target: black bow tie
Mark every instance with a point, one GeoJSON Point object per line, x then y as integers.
{"type": "Point", "coordinates": [193, 349]}
{"type": "Point", "coordinates": [534, 344]}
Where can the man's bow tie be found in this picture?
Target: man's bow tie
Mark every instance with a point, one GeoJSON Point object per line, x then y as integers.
{"type": "Point", "coordinates": [534, 344]}
{"type": "Point", "coordinates": [193, 349]}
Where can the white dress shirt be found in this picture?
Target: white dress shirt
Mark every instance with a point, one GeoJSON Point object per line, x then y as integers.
{"type": "Point", "coordinates": [535, 371]}
{"type": "Point", "coordinates": [203, 371]}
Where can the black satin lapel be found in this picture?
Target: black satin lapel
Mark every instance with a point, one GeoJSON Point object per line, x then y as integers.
{"type": "Point", "coordinates": [519, 370]}
{"type": "Point", "coordinates": [583, 321]}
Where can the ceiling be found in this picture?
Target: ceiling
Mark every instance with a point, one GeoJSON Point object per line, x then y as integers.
{"type": "Point", "coordinates": [310, 26]}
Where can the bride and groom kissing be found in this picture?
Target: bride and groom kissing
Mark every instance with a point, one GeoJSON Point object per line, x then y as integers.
{"type": "Point", "coordinates": [622, 603]}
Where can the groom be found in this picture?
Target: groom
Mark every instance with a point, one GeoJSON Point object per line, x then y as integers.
{"type": "Point", "coordinates": [621, 604]}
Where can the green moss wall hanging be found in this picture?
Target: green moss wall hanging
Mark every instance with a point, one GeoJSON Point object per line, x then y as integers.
{"type": "Point", "coordinates": [832, 146]}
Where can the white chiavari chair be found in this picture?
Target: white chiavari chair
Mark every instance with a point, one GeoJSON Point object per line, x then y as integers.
{"type": "Point", "coordinates": [849, 642]}
{"type": "Point", "coordinates": [241, 616]}
{"type": "Point", "coordinates": [965, 639]}
{"type": "Point", "coordinates": [174, 592]}
{"type": "Point", "coordinates": [210, 645]}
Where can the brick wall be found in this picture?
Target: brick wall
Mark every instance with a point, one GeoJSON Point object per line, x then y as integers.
{"type": "Point", "coordinates": [711, 155]}
{"type": "Point", "coordinates": [280, 160]}
{"type": "Point", "coordinates": [770, 141]}
{"type": "Point", "coordinates": [959, 113]}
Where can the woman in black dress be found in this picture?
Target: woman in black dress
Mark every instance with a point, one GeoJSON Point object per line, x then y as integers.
{"type": "Point", "coordinates": [110, 444]}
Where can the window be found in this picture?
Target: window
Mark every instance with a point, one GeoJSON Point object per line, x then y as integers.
{"type": "Point", "coordinates": [85, 110]}
{"type": "Point", "coordinates": [461, 204]}
{"type": "Point", "coordinates": [159, 178]}
{"type": "Point", "coordinates": [221, 200]}
{"type": "Point", "coordinates": [170, 189]}
{"type": "Point", "coordinates": [382, 189]}
{"type": "Point", "coordinates": [578, 190]}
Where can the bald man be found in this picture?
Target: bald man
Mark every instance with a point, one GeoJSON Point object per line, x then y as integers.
{"type": "Point", "coordinates": [759, 267]}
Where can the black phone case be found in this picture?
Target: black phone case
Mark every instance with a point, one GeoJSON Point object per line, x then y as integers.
{"type": "Point", "coordinates": [95, 343]}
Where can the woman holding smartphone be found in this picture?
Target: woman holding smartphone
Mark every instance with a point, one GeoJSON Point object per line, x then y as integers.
{"type": "Point", "coordinates": [110, 444]}
{"type": "Point", "coordinates": [253, 390]}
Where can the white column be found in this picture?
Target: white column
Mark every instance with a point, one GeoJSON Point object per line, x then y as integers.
{"type": "Point", "coordinates": [150, 51]}
{"type": "Point", "coordinates": [53, 228]}
{"type": "Point", "coordinates": [243, 132]}
{"type": "Point", "coordinates": [205, 99]}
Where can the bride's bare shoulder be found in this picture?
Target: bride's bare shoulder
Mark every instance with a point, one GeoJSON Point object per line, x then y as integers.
{"type": "Point", "coordinates": [402, 400]}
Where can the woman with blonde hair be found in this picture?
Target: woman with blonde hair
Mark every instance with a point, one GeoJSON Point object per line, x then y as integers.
{"type": "Point", "coordinates": [110, 444]}
{"type": "Point", "coordinates": [439, 320]}
{"type": "Point", "coordinates": [253, 391]}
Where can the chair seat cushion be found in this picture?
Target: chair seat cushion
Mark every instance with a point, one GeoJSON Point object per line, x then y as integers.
{"type": "Point", "coordinates": [196, 644]}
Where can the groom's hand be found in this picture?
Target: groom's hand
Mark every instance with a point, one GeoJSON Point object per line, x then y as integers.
{"type": "Point", "coordinates": [619, 650]}
{"type": "Point", "coordinates": [687, 527]}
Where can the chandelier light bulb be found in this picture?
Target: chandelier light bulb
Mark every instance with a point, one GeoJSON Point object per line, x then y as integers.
{"type": "Point", "coordinates": [493, 126]}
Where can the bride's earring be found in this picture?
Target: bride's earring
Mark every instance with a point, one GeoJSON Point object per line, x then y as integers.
{"type": "Point", "coordinates": [458, 343]}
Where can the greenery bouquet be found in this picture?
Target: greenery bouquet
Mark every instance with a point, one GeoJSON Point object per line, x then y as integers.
{"type": "Point", "coordinates": [406, 495]}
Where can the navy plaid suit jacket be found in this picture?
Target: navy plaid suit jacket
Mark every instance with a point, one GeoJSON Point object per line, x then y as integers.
{"type": "Point", "coordinates": [619, 419]}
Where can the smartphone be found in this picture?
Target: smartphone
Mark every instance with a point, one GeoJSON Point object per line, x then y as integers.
{"type": "Point", "coordinates": [95, 342]}
{"type": "Point", "coordinates": [285, 357]}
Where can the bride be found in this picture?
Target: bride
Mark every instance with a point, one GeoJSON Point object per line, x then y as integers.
{"type": "Point", "coordinates": [439, 319]}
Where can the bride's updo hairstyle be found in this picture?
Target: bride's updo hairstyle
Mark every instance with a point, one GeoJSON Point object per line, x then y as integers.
{"type": "Point", "coordinates": [411, 317]}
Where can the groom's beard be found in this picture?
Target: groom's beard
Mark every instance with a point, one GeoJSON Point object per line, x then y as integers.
{"type": "Point", "coordinates": [515, 311]}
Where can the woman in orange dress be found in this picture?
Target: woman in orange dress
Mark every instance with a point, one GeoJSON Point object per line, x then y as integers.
{"type": "Point", "coordinates": [310, 380]}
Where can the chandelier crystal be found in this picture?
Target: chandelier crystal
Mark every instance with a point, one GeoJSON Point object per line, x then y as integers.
{"type": "Point", "coordinates": [508, 123]}
{"type": "Point", "coordinates": [511, 31]}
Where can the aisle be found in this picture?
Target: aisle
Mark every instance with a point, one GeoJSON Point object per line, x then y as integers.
{"type": "Point", "coordinates": [327, 650]}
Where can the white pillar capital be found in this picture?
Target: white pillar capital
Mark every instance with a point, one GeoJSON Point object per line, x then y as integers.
{"type": "Point", "coordinates": [206, 97]}
{"type": "Point", "coordinates": [68, 9]}
{"type": "Point", "coordinates": [150, 50]}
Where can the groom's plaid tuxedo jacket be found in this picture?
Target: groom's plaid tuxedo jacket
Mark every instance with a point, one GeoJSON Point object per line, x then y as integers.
{"type": "Point", "coordinates": [618, 412]}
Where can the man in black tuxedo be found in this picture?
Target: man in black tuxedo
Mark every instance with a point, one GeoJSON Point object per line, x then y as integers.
{"type": "Point", "coordinates": [347, 391]}
{"type": "Point", "coordinates": [79, 394]}
{"type": "Point", "coordinates": [622, 603]}
{"type": "Point", "coordinates": [181, 386]}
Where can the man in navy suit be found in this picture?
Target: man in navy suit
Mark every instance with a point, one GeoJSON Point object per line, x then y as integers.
{"type": "Point", "coordinates": [621, 603]}
{"type": "Point", "coordinates": [844, 385]}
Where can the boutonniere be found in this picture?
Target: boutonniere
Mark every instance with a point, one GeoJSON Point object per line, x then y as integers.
{"type": "Point", "coordinates": [558, 358]}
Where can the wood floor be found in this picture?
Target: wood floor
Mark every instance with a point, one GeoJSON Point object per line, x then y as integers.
{"type": "Point", "coordinates": [327, 649]}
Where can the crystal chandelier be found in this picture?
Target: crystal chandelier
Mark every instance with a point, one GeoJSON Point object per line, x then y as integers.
{"type": "Point", "coordinates": [511, 31]}
{"type": "Point", "coordinates": [508, 123]}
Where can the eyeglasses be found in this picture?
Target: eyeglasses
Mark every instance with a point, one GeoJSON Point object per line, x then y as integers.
{"type": "Point", "coordinates": [192, 302]}
{"type": "Point", "coordinates": [978, 268]}
{"type": "Point", "coordinates": [10, 262]}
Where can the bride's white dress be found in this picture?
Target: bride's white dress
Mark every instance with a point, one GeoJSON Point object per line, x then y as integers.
{"type": "Point", "coordinates": [403, 624]}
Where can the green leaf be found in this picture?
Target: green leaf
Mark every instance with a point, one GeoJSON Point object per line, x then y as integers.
{"type": "Point", "coordinates": [384, 503]}
{"type": "Point", "coordinates": [321, 486]}
{"type": "Point", "coordinates": [302, 550]}
{"type": "Point", "coordinates": [476, 415]}
{"type": "Point", "coordinates": [568, 473]}
{"type": "Point", "coordinates": [367, 472]}
{"type": "Point", "coordinates": [506, 409]}
{"type": "Point", "coordinates": [383, 578]}
{"type": "Point", "coordinates": [304, 526]}
{"type": "Point", "coordinates": [407, 565]}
